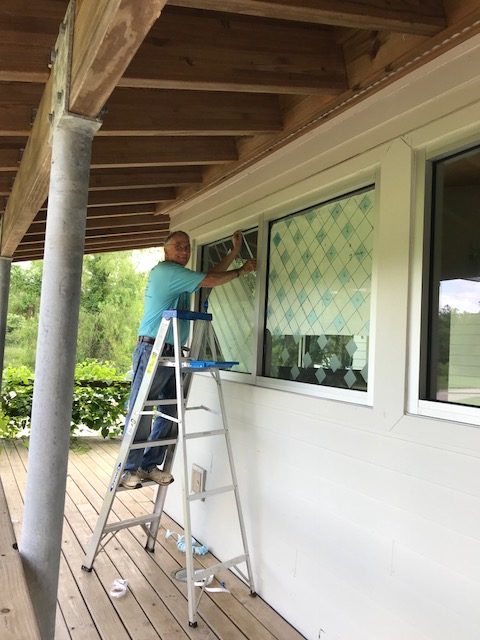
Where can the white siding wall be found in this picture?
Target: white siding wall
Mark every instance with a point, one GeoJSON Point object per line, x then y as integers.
{"type": "Point", "coordinates": [363, 519]}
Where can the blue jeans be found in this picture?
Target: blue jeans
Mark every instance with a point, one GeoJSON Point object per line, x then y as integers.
{"type": "Point", "coordinates": [163, 388]}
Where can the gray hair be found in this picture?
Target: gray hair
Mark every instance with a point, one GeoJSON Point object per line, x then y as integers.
{"type": "Point", "coordinates": [176, 233]}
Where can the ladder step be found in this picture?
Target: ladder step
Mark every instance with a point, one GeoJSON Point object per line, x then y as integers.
{"type": "Point", "coordinates": [125, 524]}
{"type": "Point", "coordinates": [197, 365]}
{"type": "Point", "coordinates": [153, 443]}
{"type": "Point", "coordinates": [153, 403]}
{"type": "Point", "coordinates": [204, 434]}
{"type": "Point", "coordinates": [201, 574]}
{"type": "Point", "coordinates": [212, 492]}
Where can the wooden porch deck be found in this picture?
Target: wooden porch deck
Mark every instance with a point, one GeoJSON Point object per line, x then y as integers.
{"type": "Point", "coordinates": [155, 605]}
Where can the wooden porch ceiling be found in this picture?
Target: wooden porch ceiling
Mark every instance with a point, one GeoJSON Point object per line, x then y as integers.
{"type": "Point", "coordinates": [192, 91]}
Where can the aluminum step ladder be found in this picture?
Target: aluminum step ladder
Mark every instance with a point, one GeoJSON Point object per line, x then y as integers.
{"type": "Point", "coordinates": [185, 367]}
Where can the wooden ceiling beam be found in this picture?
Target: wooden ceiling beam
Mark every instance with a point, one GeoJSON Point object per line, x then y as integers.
{"type": "Point", "coordinates": [118, 211]}
{"type": "Point", "coordinates": [6, 183]}
{"type": "Point", "coordinates": [107, 233]}
{"type": "Point", "coordinates": [104, 179]}
{"type": "Point", "coordinates": [220, 52]}
{"type": "Point", "coordinates": [166, 151]}
{"type": "Point", "coordinates": [110, 222]}
{"type": "Point", "coordinates": [10, 157]}
{"type": "Point", "coordinates": [107, 36]}
{"type": "Point", "coordinates": [121, 197]}
{"type": "Point", "coordinates": [130, 196]}
{"type": "Point", "coordinates": [157, 112]}
{"type": "Point", "coordinates": [35, 251]}
{"type": "Point", "coordinates": [423, 17]}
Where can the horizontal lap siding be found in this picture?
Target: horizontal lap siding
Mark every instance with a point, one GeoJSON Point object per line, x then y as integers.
{"type": "Point", "coordinates": [346, 525]}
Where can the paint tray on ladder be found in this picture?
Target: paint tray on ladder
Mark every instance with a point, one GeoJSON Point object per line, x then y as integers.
{"type": "Point", "coordinates": [210, 364]}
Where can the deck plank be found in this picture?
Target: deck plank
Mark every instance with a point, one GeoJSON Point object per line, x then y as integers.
{"type": "Point", "coordinates": [155, 607]}
{"type": "Point", "coordinates": [10, 472]}
{"type": "Point", "coordinates": [105, 454]}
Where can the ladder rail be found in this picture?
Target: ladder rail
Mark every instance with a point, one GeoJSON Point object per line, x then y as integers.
{"type": "Point", "coordinates": [187, 526]}
{"type": "Point", "coordinates": [171, 450]}
{"type": "Point", "coordinates": [104, 532]}
{"type": "Point", "coordinates": [127, 440]}
{"type": "Point", "coordinates": [233, 472]}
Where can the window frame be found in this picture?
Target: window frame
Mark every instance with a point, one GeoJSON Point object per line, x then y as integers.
{"type": "Point", "coordinates": [420, 300]}
{"type": "Point", "coordinates": [366, 179]}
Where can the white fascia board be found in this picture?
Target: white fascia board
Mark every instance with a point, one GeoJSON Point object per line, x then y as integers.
{"type": "Point", "coordinates": [428, 93]}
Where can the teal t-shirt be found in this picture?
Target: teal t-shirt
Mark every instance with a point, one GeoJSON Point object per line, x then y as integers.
{"type": "Point", "coordinates": [169, 286]}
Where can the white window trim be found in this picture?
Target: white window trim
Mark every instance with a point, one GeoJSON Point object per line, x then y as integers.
{"type": "Point", "coordinates": [416, 406]}
{"type": "Point", "coordinates": [306, 197]}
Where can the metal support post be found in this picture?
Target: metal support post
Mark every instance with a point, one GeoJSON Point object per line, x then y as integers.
{"type": "Point", "coordinates": [5, 271]}
{"type": "Point", "coordinates": [55, 362]}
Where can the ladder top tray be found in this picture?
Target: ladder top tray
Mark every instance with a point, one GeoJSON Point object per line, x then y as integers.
{"type": "Point", "coordinates": [185, 363]}
{"type": "Point", "coordinates": [186, 315]}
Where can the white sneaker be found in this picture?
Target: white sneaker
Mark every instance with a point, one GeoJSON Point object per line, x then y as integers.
{"type": "Point", "coordinates": [156, 475]}
{"type": "Point", "coordinates": [131, 480]}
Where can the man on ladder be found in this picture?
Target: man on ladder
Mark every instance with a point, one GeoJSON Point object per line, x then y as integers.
{"type": "Point", "coordinates": [169, 286]}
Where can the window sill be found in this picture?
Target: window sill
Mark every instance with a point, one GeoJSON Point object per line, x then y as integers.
{"type": "Point", "coordinates": [446, 411]}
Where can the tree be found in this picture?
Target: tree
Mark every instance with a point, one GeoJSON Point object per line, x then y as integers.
{"type": "Point", "coordinates": [110, 308]}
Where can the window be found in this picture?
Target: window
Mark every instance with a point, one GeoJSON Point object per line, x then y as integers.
{"type": "Point", "coordinates": [232, 306]}
{"type": "Point", "coordinates": [318, 294]}
{"type": "Point", "coordinates": [451, 322]}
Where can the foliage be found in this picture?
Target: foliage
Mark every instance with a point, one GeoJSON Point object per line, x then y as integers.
{"type": "Point", "coordinates": [100, 395]}
{"type": "Point", "coordinates": [110, 310]}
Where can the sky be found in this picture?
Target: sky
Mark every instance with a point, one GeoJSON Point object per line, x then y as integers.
{"type": "Point", "coordinates": [463, 295]}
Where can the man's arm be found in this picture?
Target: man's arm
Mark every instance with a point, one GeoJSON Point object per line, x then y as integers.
{"type": "Point", "coordinates": [217, 278]}
{"type": "Point", "coordinates": [226, 261]}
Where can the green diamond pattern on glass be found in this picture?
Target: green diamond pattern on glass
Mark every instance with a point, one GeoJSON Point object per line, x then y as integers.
{"type": "Point", "coordinates": [307, 360]}
{"type": "Point", "coordinates": [293, 276]}
{"type": "Point", "coordinates": [351, 347]}
{"type": "Point", "coordinates": [366, 203]}
{"type": "Point", "coordinates": [339, 323]}
{"type": "Point", "coordinates": [336, 210]}
{"type": "Point", "coordinates": [350, 378]}
{"type": "Point", "coordinates": [332, 253]}
{"type": "Point", "coordinates": [334, 363]}
{"type": "Point", "coordinates": [322, 342]}
{"type": "Point", "coordinates": [357, 299]}
{"type": "Point", "coordinates": [344, 276]}
{"type": "Point", "coordinates": [306, 256]}
{"type": "Point", "coordinates": [361, 253]}
{"type": "Point", "coordinates": [294, 372]}
{"type": "Point", "coordinates": [347, 231]}
{"type": "Point", "coordinates": [319, 284]}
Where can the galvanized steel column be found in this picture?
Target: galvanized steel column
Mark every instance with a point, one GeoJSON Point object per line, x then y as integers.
{"type": "Point", "coordinates": [5, 270]}
{"type": "Point", "coordinates": [40, 543]}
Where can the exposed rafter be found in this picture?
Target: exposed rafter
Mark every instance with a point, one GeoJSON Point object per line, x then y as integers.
{"type": "Point", "coordinates": [419, 17]}
{"type": "Point", "coordinates": [107, 35]}
{"type": "Point", "coordinates": [194, 97]}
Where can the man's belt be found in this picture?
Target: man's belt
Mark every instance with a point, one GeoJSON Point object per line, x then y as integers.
{"type": "Point", "coordinates": [167, 348]}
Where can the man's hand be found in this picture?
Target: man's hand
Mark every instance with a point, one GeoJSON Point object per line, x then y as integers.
{"type": "Point", "coordinates": [237, 241]}
{"type": "Point", "coordinates": [249, 266]}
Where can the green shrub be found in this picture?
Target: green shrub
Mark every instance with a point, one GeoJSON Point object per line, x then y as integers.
{"type": "Point", "coordinates": [99, 398]}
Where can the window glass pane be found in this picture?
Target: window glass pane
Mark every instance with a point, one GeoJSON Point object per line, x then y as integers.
{"type": "Point", "coordinates": [232, 305]}
{"type": "Point", "coordinates": [453, 328]}
{"type": "Point", "coordinates": [318, 305]}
